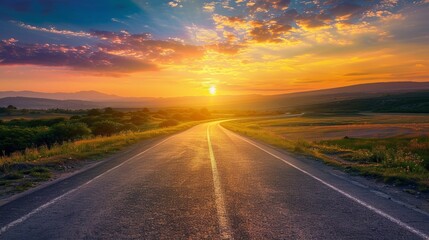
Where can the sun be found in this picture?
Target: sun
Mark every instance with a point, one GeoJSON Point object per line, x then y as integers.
{"type": "Point", "coordinates": [212, 90]}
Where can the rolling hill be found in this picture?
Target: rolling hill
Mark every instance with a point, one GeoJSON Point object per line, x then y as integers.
{"type": "Point", "coordinates": [413, 102]}
{"type": "Point", "coordinates": [42, 103]}
{"type": "Point", "coordinates": [93, 99]}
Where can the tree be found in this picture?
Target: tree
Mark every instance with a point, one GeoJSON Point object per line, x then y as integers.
{"type": "Point", "coordinates": [11, 107]}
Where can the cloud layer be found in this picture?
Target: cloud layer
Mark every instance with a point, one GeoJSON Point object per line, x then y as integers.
{"type": "Point", "coordinates": [270, 44]}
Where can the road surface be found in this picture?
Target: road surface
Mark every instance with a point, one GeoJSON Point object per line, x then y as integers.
{"type": "Point", "coordinates": [208, 183]}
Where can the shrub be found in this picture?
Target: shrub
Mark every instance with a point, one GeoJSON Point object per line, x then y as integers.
{"type": "Point", "coordinates": [94, 112]}
{"type": "Point", "coordinates": [17, 139]}
{"type": "Point", "coordinates": [138, 120]}
{"type": "Point", "coordinates": [106, 128]}
{"type": "Point", "coordinates": [68, 131]}
{"type": "Point", "coordinates": [407, 161]}
{"type": "Point", "coordinates": [178, 116]}
{"type": "Point", "coordinates": [197, 116]}
{"type": "Point", "coordinates": [168, 123]}
{"type": "Point", "coordinates": [129, 127]}
{"type": "Point", "coordinates": [109, 110]}
{"type": "Point", "coordinates": [362, 156]}
{"type": "Point", "coordinates": [75, 117]}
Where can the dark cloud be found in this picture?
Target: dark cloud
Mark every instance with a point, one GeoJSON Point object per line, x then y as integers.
{"type": "Point", "coordinates": [280, 4]}
{"type": "Point", "coordinates": [255, 6]}
{"type": "Point", "coordinates": [347, 10]}
{"type": "Point", "coordinates": [80, 58]}
{"type": "Point", "coordinates": [271, 32]}
{"type": "Point", "coordinates": [287, 17]}
{"type": "Point", "coordinates": [314, 20]}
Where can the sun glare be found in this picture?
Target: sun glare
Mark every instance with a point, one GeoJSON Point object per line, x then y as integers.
{"type": "Point", "coordinates": [212, 90]}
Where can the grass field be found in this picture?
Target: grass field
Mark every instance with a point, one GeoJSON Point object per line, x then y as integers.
{"type": "Point", "coordinates": [320, 127]}
{"type": "Point", "coordinates": [391, 147]}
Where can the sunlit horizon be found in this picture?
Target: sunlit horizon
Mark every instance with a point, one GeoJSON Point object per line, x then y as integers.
{"type": "Point", "coordinates": [182, 48]}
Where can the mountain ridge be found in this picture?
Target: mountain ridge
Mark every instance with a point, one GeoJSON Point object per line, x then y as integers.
{"type": "Point", "coordinates": [94, 99]}
{"type": "Point", "coordinates": [92, 95]}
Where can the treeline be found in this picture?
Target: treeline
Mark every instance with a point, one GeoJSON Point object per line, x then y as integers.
{"type": "Point", "coordinates": [12, 110]}
{"type": "Point", "coordinates": [19, 134]}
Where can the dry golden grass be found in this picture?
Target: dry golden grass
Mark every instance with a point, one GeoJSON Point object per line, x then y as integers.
{"type": "Point", "coordinates": [84, 148]}
{"type": "Point", "coordinates": [22, 170]}
{"type": "Point", "coordinates": [402, 159]}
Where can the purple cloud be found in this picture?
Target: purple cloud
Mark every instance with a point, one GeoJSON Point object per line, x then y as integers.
{"type": "Point", "coordinates": [79, 58]}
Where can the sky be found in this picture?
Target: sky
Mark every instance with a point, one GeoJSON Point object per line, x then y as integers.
{"type": "Point", "coordinates": [158, 48]}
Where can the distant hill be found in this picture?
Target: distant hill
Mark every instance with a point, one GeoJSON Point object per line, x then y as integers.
{"type": "Point", "coordinates": [414, 102]}
{"type": "Point", "coordinates": [91, 99]}
{"type": "Point", "coordinates": [41, 103]}
{"type": "Point", "coordinates": [82, 95]}
{"type": "Point", "coordinates": [371, 88]}
{"type": "Point", "coordinates": [294, 100]}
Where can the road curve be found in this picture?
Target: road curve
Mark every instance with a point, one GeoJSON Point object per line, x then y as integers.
{"type": "Point", "coordinates": [208, 183]}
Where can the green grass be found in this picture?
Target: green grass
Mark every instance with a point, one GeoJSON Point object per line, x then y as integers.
{"type": "Point", "coordinates": [21, 171]}
{"type": "Point", "coordinates": [395, 160]}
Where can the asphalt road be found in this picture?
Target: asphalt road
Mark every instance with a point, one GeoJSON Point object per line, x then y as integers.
{"type": "Point", "coordinates": [208, 183]}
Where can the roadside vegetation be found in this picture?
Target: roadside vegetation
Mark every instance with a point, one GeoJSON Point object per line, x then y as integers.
{"type": "Point", "coordinates": [400, 159]}
{"type": "Point", "coordinates": [34, 150]}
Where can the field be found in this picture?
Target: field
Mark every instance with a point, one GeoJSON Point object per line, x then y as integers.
{"type": "Point", "coordinates": [329, 126]}
{"type": "Point", "coordinates": [392, 147]}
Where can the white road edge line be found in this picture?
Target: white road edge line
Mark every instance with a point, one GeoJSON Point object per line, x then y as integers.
{"type": "Point", "coordinates": [370, 207]}
{"type": "Point", "coordinates": [28, 215]}
{"type": "Point", "coordinates": [222, 215]}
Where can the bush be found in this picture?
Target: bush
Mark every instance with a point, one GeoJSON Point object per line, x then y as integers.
{"type": "Point", "coordinates": [139, 120]}
{"type": "Point", "coordinates": [168, 123]}
{"type": "Point", "coordinates": [14, 139]}
{"type": "Point", "coordinates": [129, 127]}
{"type": "Point", "coordinates": [75, 117]}
{"type": "Point", "coordinates": [68, 131]}
{"type": "Point", "coordinates": [106, 128]}
{"type": "Point", "coordinates": [109, 110]}
{"type": "Point", "coordinates": [178, 116]}
{"type": "Point", "coordinates": [197, 116]}
{"type": "Point", "coordinates": [35, 122]}
{"type": "Point", "coordinates": [94, 112]}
